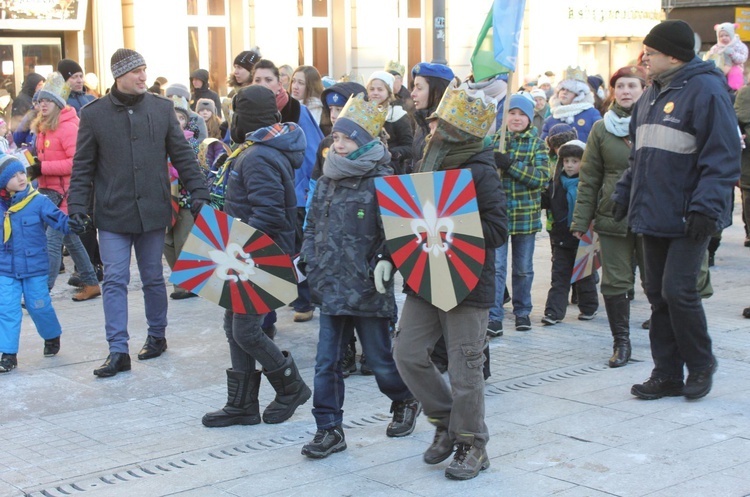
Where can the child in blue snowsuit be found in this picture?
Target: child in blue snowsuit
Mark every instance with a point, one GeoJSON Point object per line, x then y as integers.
{"type": "Point", "coordinates": [24, 264]}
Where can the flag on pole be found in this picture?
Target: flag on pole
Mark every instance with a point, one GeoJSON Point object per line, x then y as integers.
{"type": "Point", "coordinates": [497, 44]}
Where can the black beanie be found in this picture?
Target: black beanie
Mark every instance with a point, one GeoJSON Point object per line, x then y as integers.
{"type": "Point", "coordinates": [247, 59]}
{"type": "Point", "coordinates": [68, 67]}
{"type": "Point", "coordinates": [254, 108]}
{"type": "Point", "coordinates": [674, 38]}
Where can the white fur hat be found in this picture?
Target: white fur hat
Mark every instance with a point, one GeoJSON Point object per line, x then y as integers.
{"type": "Point", "coordinates": [726, 26]}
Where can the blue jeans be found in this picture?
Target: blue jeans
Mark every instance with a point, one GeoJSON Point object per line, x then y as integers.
{"type": "Point", "coordinates": [375, 339]}
{"type": "Point", "coordinates": [523, 276]}
{"type": "Point", "coordinates": [78, 253]}
{"type": "Point", "coordinates": [38, 304]}
{"type": "Point", "coordinates": [115, 249]}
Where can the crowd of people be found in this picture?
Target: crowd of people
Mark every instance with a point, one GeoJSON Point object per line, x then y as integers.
{"type": "Point", "coordinates": [649, 165]}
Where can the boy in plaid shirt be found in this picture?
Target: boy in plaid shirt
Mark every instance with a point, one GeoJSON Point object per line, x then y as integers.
{"type": "Point", "coordinates": [524, 172]}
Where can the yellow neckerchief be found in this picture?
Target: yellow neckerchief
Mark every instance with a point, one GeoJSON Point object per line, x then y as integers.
{"type": "Point", "coordinates": [15, 208]}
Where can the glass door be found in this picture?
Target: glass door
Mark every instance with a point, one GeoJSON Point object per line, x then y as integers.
{"type": "Point", "coordinates": [21, 56]}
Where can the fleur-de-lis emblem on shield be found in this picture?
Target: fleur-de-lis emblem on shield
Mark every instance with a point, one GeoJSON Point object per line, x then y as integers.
{"type": "Point", "coordinates": [233, 259]}
{"type": "Point", "coordinates": [433, 225]}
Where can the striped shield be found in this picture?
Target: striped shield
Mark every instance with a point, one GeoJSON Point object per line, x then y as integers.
{"type": "Point", "coordinates": [234, 265]}
{"type": "Point", "coordinates": [434, 233]}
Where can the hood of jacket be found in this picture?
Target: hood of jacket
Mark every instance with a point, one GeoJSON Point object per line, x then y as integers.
{"type": "Point", "coordinates": [201, 74]}
{"type": "Point", "coordinates": [286, 138]}
{"type": "Point", "coordinates": [29, 84]}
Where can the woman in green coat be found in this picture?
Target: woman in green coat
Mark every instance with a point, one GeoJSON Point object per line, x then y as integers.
{"type": "Point", "coordinates": [604, 162]}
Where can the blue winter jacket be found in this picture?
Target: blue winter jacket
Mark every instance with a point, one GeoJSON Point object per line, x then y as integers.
{"type": "Point", "coordinates": [582, 122]}
{"type": "Point", "coordinates": [685, 155]}
{"type": "Point", "coordinates": [313, 135]}
{"type": "Point", "coordinates": [25, 253]}
{"type": "Point", "coordinates": [260, 191]}
{"type": "Point", "coordinates": [78, 99]}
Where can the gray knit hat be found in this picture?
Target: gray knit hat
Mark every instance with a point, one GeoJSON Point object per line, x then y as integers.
{"type": "Point", "coordinates": [125, 60]}
{"type": "Point", "coordinates": [177, 89]}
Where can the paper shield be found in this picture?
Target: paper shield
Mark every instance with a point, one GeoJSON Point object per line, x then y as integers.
{"type": "Point", "coordinates": [434, 233]}
{"type": "Point", "coordinates": [587, 257]}
{"type": "Point", "coordinates": [234, 265]}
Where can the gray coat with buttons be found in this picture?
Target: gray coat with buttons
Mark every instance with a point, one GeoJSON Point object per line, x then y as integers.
{"type": "Point", "coordinates": [121, 157]}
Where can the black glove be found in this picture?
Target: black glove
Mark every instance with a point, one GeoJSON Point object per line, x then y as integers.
{"type": "Point", "coordinates": [619, 211]}
{"type": "Point", "coordinates": [196, 205]}
{"type": "Point", "coordinates": [34, 171]}
{"type": "Point", "coordinates": [700, 226]}
{"type": "Point", "coordinates": [503, 161]}
{"type": "Point", "coordinates": [79, 223]}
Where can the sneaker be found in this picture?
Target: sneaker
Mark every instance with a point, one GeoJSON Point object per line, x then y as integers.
{"type": "Point", "coordinates": [51, 347]}
{"type": "Point", "coordinates": [550, 321]}
{"type": "Point", "coordinates": [325, 443]}
{"type": "Point", "coordinates": [441, 448]}
{"type": "Point", "coordinates": [698, 384]}
{"type": "Point", "coordinates": [468, 462]}
{"type": "Point", "coordinates": [405, 414]}
{"type": "Point", "coordinates": [301, 317]}
{"type": "Point", "coordinates": [8, 362]}
{"type": "Point", "coordinates": [349, 361]}
{"type": "Point", "coordinates": [656, 388]}
{"type": "Point", "coordinates": [495, 329]}
{"type": "Point", "coordinates": [586, 316]}
{"type": "Point", "coordinates": [364, 369]}
{"type": "Point", "coordinates": [523, 323]}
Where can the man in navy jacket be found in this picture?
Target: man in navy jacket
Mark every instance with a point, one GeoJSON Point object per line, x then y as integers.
{"type": "Point", "coordinates": [677, 192]}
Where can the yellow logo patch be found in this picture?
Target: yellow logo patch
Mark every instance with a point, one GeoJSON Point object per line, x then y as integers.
{"type": "Point", "coordinates": [669, 107]}
{"type": "Point", "coordinates": [581, 122]}
{"type": "Point", "coordinates": [46, 143]}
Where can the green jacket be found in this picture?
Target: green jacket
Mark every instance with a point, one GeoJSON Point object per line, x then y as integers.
{"type": "Point", "coordinates": [603, 163]}
{"type": "Point", "coordinates": [742, 107]}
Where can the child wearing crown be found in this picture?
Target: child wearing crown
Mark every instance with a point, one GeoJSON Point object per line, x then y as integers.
{"type": "Point", "coordinates": [573, 104]}
{"type": "Point", "coordinates": [349, 273]}
{"type": "Point", "coordinates": [458, 128]}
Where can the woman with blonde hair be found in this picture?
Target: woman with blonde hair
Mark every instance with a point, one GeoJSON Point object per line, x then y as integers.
{"type": "Point", "coordinates": [56, 128]}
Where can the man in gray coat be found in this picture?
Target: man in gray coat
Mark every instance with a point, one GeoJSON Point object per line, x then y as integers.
{"type": "Point", "coordinates": [124, 141]}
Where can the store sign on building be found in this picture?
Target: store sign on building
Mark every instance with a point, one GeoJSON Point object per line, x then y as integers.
{"type": "Point", "coordinates": [43, 14]}
{"type": "Point", "coordinates": [742, 17]}
{"type": "Point", "coordinates": [587, 13]}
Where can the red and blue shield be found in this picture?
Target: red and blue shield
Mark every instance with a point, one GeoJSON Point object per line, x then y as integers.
{"type": "Point", "coordinates": [434, 233]}
{"type": "Point", "coordinates": [588, 257]}
{"type": "Point", "coordinates": [234, 265]}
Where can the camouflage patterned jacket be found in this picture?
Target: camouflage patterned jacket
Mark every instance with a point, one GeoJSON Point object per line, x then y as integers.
{"type": "Point", "coordinates": [343, 241]}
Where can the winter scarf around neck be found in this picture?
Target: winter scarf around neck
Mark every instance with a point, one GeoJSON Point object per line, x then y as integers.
{"type": "Point", "coordinates": [30, 194]}
{"type": "Point", "coordinates": [448, 148]}
{"type": "Point", "coordinates": [125, 98]}
{"type": "Point", "coordinates": [354, 165]}
{"type": "Point", "coordinates": [282, 97]}
{"type": "Point", "coordinates": [566, 113]}
{"type": "Point", "coordinates": [617, 120]}
{"type": "Point", "coordinates": [571, 193]}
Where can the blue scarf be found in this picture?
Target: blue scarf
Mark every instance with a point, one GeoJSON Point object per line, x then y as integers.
{"type": "Point", "coordinates": [571, 192]}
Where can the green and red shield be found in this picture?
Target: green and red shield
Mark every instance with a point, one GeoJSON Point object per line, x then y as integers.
{"type": "Point", "coordinates": [434, 233]}
{"type": "Point", "coordinates": [234, 265]}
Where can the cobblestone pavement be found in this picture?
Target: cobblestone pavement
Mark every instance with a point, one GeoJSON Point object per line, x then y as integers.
{"type": "Point", "coordinates": [561, 422]}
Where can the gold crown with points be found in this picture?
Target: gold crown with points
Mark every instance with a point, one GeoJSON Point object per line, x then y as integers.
{"type": "Point", "coordinates": [466, 113]}
{"type": "Point", "coordinates": [575, 73]}
{"type": "Point", "coordinates": [395, 67]}
{"type": "Point", "coordinates": [57, 87]}
{"type": "Point", "coordinates": [368, 115]}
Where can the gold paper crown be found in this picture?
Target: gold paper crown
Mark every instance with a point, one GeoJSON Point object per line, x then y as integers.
{"type": "Point", "coordinates": [395, 67]}
{"type": "Point", "coordinates": [56, 86]}
{"type": "Point", "coordinates": [466, 113]}
{"type": "Point", "coordinates": [575, 73]}
{"type": "Point", "coordinates": [368, 115]}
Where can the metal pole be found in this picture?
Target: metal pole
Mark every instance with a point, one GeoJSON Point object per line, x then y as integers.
{"type": "Point", "coordinates": [438, 32]}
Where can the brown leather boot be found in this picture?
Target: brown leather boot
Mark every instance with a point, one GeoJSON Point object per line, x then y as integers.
{"type": "Point", "coordinates": [88, 292]}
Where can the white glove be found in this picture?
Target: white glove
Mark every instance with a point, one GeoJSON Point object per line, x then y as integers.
{"type": "Point", "coordinates": [381, 275]}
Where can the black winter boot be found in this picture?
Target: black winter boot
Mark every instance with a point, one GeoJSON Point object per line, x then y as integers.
{"type": "Point", "coordinates": [242, 401]}
{"type": "Point", "coordinates": [291, 391]}
{"type": "Point", "coordinates": [618, 314]}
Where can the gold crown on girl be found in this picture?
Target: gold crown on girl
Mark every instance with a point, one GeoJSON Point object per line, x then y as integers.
{"type": "Point", "coordinates": [575, 73]}
{"type": "Point", "coordinates": [369, 115]}
{"type": "Point", "coordinates": [57, 85]}
{"type": "Point", "coordinates": [395, 67]}
{"type": "Point", "coordinates": [467, 113]}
